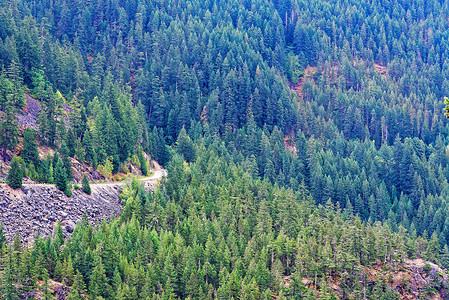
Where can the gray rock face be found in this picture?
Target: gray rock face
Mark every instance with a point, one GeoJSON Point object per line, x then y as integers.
{"type": "Point", "coordinates": [27, 118]}
{"type": "Point", "coordinates": [38, 208]}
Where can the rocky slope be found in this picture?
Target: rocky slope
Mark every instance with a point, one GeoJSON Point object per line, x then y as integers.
{"type": "Point", "coordinates": [409, 279]}
{"type": "Point", "coordinates": [37, 208]}
{"type": "Point", "coordinates": [28, 116]}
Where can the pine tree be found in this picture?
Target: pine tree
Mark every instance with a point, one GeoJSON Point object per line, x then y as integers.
{"type": "Point", "coordinates": [60, 174]}
{"type": "Point", "coordinates": [2, 237]}
{"type": "Point", "coordinates": [7, 284]}
{"type": "Point", "coordinates": [47, 170]}
{"type": "Point", "coordinates": [44, 287]}
{"type": "Point", "coordinates": [15, 174]}
{"type": "Point", "coordinates": [9, 129]}
{"type": "Point", "coordinates": [86, 185]}
{"type": "Point", "coordinates": [18, 96]}
{"type": "Point", "coordinates": [78, 289]}
{"type": "Point", "coordinates": [27, 271]}
{"type": "Point", "coordinates": [433, 248]}
{"type": "Point", "coordinates": [444, 256]}
{"type": "Point", "coordinates": [71, 143]}
{"type": "Point", "coordinates": [30, 152]}
{"type": "Point", "coordinates": [98, 285]}
{"type": "Point", "coordinates": [64, 151]}
{"type": "Point", "coordinates": [91, 155]}
{"type": "Point", "coordinates": [142, 161]}
{"type": "Point", "coordinates": [185, 146]}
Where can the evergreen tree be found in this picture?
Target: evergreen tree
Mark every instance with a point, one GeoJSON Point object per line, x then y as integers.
{"type": "Point", "coordinates": [86, 185]}
{"type": "Point", "coordinates": [185, 146]}
{"type": "Point", "coordinates": [142, 161]}
{"type": "Point", "coordinates": [98, 283]}
{"type": "Point", "coordinates": [64, 151]}
{"type": "Point", "coordinates": [30, 152]}
{"type": "Point", "coordinates": [15, 174]}
{"type": "Point", "coordinates": [2, 236]}
{"type": "Point", "coordinates": [71, 143]}
{"type": "Point", "coordinates": [78, 288]}
{"type": "Point", "coordinates": [9, 129]}
{"type": "Point", "coordinates": [60, 174]}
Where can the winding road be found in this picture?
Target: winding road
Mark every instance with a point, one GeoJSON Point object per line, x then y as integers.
{"type": "Point", "coordinates": [156, 176]}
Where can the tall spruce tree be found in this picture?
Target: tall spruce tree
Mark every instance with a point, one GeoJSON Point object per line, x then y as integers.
{"type": "Point", "coordinates": [9, 129]}
{"type": "Point", "coordinates": [60, 174]}
{"type": "Point", "coordinates": [85, 185]}
{"type": "Point", "coordinates": [185, 146]}
{"type": "Point", "coordinates": [15, 174]}
{"type": "Point", "coordinates": [30, 152]}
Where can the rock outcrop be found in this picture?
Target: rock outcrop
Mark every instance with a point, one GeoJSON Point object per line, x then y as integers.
{"type": "Point", "coordinates": [37, 208]}
{"type": "Point", "coordinates": [28, 116]}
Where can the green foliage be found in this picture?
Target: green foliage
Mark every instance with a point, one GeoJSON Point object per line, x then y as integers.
{"type": "Point", "coordinates": [143, 162]}
{"type": "Point", "coordinates": [86, 185]}
{"type": "Point", "coordinates": [246, 241]}
{"type": "Point", "coordinates": [446, 103]}
{"type": "Point", "coordinates": [71, 143]}
{"type": "Point", "coordinates": [15, 174]}
{"type": "Point", "coordinates": [294, 70]}
{"type": "Point", "coordinates": [60, 174]}
{"type": "Point", "coordinates": [364, 131]}
{"type": "Point", "coordinates": [2, 236]}
{"type": "Point", "coordinates": [9, 130]}
{"type": "Point", "coordinates": [30, 152]}
{"type": "Point", "coordinates": [107, 168]}
{"type": "Point", "coordinates": [78, 288]}
{"type": "Point", "coordinates": [46, 174]}
{"type": "Point", "coordinates": [185, 146]}
{"type": "Point", "coordinates": [68, 190]}
{"type": "Point", "coordinates": [157, 147]}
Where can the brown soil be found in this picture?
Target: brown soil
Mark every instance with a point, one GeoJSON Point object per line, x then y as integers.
{"type": "Point", "coordinates": [308, 74]}
{"type": "Point", "coordinates": [381, 70]}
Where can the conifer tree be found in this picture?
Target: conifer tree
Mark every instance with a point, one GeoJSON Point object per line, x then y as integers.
{"type": "Point", "coordinates": [7, 286]}
{"type": "Point", "coordinates": [30, 152]}
{"type": "Point", "coordinates": [444, 256]}
{"type": "Point", "coordinates": [60, 174]}
{"type": "Point", "coordinates": [78, 288]}
{"type": "Point", "coordinates": [71, 143]}
{"type": "Point", "coordinates": [143, 162]}
{"type": "Point", "coordinates": [86, 186]}
{"type": "Point", "coordinates": [91, 155]}
{"type": "Point", "coordinates": [185, 146]}
{"type": "Point", "coordinates": [98, 284]}
{"type": "Point", "coordinates": [9, 129]}
{"type": "Point", "coordinates": [15, 174]}
{"type": "Point", "coordinates": [2, 236]}
{"type": "Point", "coordinates": [64, 151]}
{"type": "Point", "coordinates": [47, 170]}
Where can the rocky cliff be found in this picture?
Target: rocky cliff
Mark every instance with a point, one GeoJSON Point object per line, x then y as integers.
{"type": "Point", "coordinates": [37, 208]}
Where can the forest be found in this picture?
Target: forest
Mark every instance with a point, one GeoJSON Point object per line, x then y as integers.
{"type": "Point", "coordinates": [300, 137]}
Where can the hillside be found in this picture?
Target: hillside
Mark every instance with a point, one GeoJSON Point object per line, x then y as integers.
{"type": "Point", "coordinates": [37, 208]}
{"type": "Point", "coordinates": [413, 279]}
{"type": "Point", "coordinates": [217, 233]}
{"type": "Point", "coordinates": [305, 143]}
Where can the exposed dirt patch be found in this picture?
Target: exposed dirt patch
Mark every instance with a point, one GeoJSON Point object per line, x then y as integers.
{"type": "Point", "coordinates": [290, 144]}
{"type": "Point", "coordinates": [309, 72]}
{"type": "Point", "coordinates": [381, 70]}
